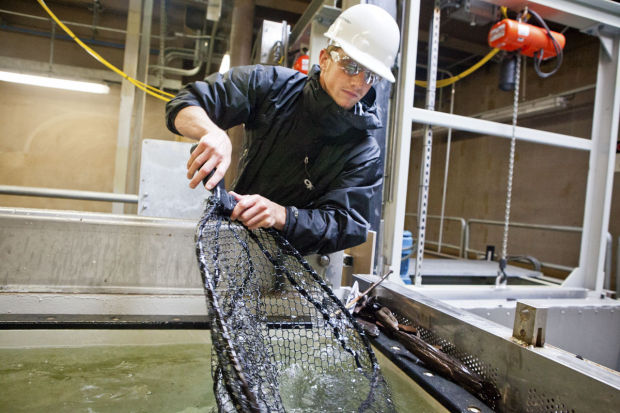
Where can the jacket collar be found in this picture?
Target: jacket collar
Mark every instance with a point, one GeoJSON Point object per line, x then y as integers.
{"type": "Point", "coordinates": [331, 118]}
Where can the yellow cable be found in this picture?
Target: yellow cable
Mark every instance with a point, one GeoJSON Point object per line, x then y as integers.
{"type": "Point", "coordinates": [504, 10]}
{"type": "Point", "coordinates": [153, 91]}
{"type": "Point", "coordinates": [453, 79]}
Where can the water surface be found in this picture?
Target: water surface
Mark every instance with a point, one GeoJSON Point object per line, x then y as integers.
{"type": "Point", "coordinates": [153, 371]}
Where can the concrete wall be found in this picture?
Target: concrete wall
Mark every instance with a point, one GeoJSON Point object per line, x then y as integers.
{"type": "Point", "coordinates": [63, 139]}
{"type": "Point", "coordinates": [549, 182]}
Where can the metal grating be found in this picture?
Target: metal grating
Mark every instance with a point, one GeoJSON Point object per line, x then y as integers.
{"type": "Point", "coordinates": [537, 402]}
{"type": "Point", "coordinates": [529, 379]}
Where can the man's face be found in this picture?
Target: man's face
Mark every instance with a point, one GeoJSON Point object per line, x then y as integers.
{"type": "Point", "coordinates": [346, 90]}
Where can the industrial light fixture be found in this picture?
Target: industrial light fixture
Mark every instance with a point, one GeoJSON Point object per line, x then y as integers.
{"type": "Point", "coordinates": [225, 65]}
{"type": "Point", "coordinates": [530, 108]}
{"type": "Point", "coordinates": [54, 82]}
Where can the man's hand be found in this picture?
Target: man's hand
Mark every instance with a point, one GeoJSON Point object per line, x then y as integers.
{"type": "Point", "coordinates": [255, 211]}
{"type": "Point", "coordinates": [213, 151]}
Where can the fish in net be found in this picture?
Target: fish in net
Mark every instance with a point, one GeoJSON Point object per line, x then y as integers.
{"type": "Point", "coordinates": [282, 341]}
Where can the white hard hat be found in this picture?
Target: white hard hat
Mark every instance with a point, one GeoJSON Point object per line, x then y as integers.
{"type": "Point", "coordinates": [369, 35]}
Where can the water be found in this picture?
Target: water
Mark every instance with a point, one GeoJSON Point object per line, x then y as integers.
{"type": "Point", "coordinates": [171, 376]}
{"type": "Point", "coordinates": [158, 378]}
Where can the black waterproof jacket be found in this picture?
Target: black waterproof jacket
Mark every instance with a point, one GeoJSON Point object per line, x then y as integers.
{"type": "Point", "coordinates": [301, 150]}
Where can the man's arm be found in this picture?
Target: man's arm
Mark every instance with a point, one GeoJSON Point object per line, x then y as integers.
{"type": "Point", "coordinates": [214, 148]}
{"type": "Point", "coordinates": [203, 110]}
{"type": "Point", "coordinates": [213, 151]}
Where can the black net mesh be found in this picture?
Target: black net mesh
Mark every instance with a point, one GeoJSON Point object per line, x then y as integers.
{"type": "Point", "coordinates": [282, 341]}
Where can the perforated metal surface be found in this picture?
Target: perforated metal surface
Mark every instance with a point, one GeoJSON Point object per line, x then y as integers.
{"type": "Point", "coordinates": [537, 401]}
{"type": "Point", "coordinates": [472, 362]}
{"type": "Point", "coordinates": [544, 403]}
{"type": "Point", "coordinates": [529, 379]}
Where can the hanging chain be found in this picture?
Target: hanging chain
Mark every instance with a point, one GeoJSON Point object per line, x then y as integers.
{"type": "Point", "coordinates": [511, 162]}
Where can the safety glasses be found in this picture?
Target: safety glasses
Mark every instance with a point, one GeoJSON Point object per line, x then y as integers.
{"type": "Point", "coordinates": [352, 68]}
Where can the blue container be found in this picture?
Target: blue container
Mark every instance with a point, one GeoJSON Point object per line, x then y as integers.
{"type": "Point", "coordinates": [404, 263]}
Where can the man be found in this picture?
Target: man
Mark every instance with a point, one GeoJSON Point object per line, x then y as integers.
{"type": "Point", "coordinates": [309, 163]}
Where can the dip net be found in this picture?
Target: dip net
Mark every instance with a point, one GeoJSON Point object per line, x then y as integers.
{"type": "Point", "coordinates": [282, 341]}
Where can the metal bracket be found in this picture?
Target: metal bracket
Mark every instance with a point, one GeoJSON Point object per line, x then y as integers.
{"type": "Point", "coordinates": [605, 34]}
{"type": "Point", "coordinates": [530, 324]}
{"type": "Point", "coordinates": [607, 43]}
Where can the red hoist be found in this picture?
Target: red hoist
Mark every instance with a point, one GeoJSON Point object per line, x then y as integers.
{"type": "Point", "coordinates": [511, 35]}
{"type": "Point", "coordinates": [537, 42]}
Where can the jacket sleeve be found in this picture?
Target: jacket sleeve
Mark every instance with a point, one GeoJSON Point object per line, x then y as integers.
{"type": "Point", "coordinates": [228, 99]}
{"type": "Point", "coordinates": [339, 218]}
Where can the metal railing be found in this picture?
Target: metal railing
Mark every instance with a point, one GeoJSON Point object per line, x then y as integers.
{"type": "Point", "coordinates": [555, 228]}
{"type": "Point", "coordinates": [461, 246]}
{"type": "Point", "coordinates": [465, 237]}
{"type": "Point", "coordinates": [68, 194]}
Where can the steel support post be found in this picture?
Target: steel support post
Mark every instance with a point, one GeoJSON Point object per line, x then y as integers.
{"type": "Point", "coordinates": [318, 42]}
{"type": "Point", "coordinates": [590, 273]}
{"type": "Point", "coordinates": [130, 62]}
{"type": "Point", "coordinates": [425, 156]}
{"type": "Point", "coordinates": [240, 54]}
{"type": "Point", "coordinates": [240, 35]}
{"type": "Point", "coordinates": [135, 143]}
{"type": "Point", "coordinates": [394, 208]}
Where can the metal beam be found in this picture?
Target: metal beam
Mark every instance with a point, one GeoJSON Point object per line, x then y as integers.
{"type": "Point", "coordinates": [455, 43]}
{"type": "Point", "coordinates": [426, 153]}
{"type": "Point", "coordinates": [135, 140]}
{"type": "Point", "coordinates": [590, 273]}
{"type": "Point", "coordinates": [584, 15]}
{"type": "Point", "coordinates": [67, 194]}
{"type": "Point", "coordinates": [291, 6]}
{"type": "Point", "coordinates": [241, 33]}
{"type": "Point", "coordinates": [486, 127]}
{"type": "Point", "coordinates": [400, 145]}
{"type": "Point", "coordinates": [130, 62]}
{"type": "Point", "coordinates": [311, 13]}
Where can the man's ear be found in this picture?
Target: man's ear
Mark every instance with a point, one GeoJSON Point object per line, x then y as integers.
{"type": "Point", "coordinates": [323, 57]}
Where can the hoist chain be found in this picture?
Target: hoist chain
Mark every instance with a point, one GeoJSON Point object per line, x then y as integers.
{"type": "Point", "coordinates": [501, 279]}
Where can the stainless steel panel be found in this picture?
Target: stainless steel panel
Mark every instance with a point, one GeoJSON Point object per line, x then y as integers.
{"type": "Point", "coordinates": [270, 42]}
{"type": "Point", "coordinates": [589, 327]}
{"type": "Point", "coordinates": [59, 248]}
{"type": "Point", "coordinates": [164, 187]}
{"type": "Point", "coordinates": [530, 379]}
